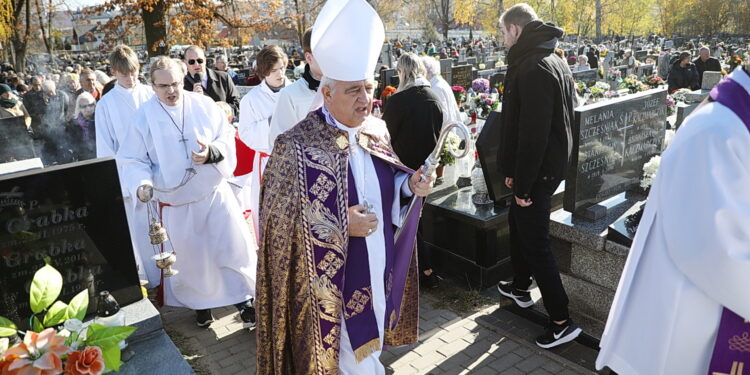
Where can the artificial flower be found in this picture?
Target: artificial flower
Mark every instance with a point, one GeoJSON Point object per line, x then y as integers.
{"type": "Point", "coordinates": [88, 361]}
{"type": "Point", "coordinates": [38, 354]}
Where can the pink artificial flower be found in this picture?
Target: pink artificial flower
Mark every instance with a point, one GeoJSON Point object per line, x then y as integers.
{"type": "Point", "coordinates": [38, 354]}
{"type": "Point", "coordinates": [85, 362]}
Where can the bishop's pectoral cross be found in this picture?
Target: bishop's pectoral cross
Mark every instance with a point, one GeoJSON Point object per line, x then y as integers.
{"type": "Point", "coordinates": [184, 140]}
{"type": "Point", "coordinates": [368, 207]}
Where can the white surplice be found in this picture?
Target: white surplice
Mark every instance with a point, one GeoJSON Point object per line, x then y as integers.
{"type": "Point", "coordinates": [215, 254]}
{"type": "Point", "coordinates": [256, 110]}
{"type": "Point", "coordinates": [364, 174]}
{"type": "Point", "coordinates": [691, 255]}
{"type": "Point", "coordinates": [293, 105]}
{"type": "Point", "coordinates": [114, 115]}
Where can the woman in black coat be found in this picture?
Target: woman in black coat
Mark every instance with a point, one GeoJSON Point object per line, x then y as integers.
{"type": "Point", "coordinates": [414, 118]}
{"type": "Point", "coordinates": [683, 74]}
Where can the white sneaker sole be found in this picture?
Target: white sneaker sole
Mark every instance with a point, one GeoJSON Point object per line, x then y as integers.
{"type": "Point", "coordinates": [519, 303]}
{"type": "Point", "coordinates": [248, 325]}
{"type": "Point", "coordinates": [563, 340]}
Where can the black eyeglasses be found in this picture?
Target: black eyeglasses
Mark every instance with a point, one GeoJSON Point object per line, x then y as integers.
{"type": "Point", "coordinates": [193, 61]}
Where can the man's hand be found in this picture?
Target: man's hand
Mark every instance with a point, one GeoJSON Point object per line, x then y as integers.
{"type": "Point", "coordinates": [145, 193]}
{"type": "Point", "coordinates": [523, 202]}
{"type": "Point", "coordinates": [201, 156]}
{"type": "Point", "coordinates": [509, 182]}
{"type": "Point", "coordinates": [197, 87]}
{"type": "Point", "coordinates": [360, 223]}
{"type": "Point", "coordinates": [421, 188]}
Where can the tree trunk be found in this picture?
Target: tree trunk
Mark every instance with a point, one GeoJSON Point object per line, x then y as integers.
{"type": "Point", "coordinates": [155, 27]}
{"type": "Point", "coordinates": [598, 21]}
{"type": "Point", "coordinates": [19, 40]}
{"type": "Point", "coordinates": [45, 36]}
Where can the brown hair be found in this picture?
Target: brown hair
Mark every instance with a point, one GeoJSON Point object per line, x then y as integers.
{"type": "Point", "coordinates": [164, 63]}
{"type": "Point", "coordinates": [306, 41]}
{"type": "Point", "coordinates": [124, 60]}
{"type": "Point", "coordinates": [87, 71]}
{"type": "Point", "coordinates": [267, 58]}
{"type": "Point", "coordinates": [520, 15]}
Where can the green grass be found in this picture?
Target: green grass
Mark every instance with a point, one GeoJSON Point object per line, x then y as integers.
{"type": "Point", "coordinates": [459, 299]}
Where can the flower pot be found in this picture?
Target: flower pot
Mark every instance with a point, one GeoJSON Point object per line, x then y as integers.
{"type": "Point", "coordinates": [439, 171]}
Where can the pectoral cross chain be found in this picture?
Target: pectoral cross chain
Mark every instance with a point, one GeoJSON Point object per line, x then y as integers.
{"type": "Point", "coordinates": [184, 140]}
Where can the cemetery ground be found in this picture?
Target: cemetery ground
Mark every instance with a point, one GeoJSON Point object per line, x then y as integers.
{"type": "Point", "coordinates": [461, 332]}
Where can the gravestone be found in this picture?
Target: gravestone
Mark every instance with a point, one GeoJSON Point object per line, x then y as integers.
{"type": "Point", "coordinates": [588, 76]}
{"type": "Point", "coordinates": [645, 70]}
{"type": "Point", "coordinates": [641, 55]}
{"type": "Point", "coordinates": [623, 70]}
{"type": "Point", "coordinates": [683, 111]}
{"type": "Point", "coordinates": [497, 78]}
{"type": "Point", "coordinates": [487, 73]}
{"type": "Point", "coordinates": [710, 80]}
{"type": "Point", "coordinates": [612, 140]}
{"type": "Point", "coordinates": [473, 62]}
{"type": "Point", "coordinates": [243, 74]}
{"type": "Point", "coordinates": [490, 63]}
{"type": "Point", "coordinates": [386, 77]}
{"type": "Point", "coordinates": [445, 70]}
{"type": "Point", "coordinates": [15, 140]}
{"type": "Point", "coordinates": [462, 75]}
{"type": "Point", "coordinates": [488, 147]}
{"type": "Point", "coordinates": [74, 216]}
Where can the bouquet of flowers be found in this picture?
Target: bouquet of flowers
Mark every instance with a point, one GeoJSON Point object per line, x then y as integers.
{"type": "Point", "coordinates": [451, 145]}
{"type": "Point", "coordinates": [734, 61]}
{"type": "Point", "coordinates": [481, 86]}
{"type": "Point", "coordinates": [679, 95]}
{"type": "Point", "coordinates": [388, 91]}
{"type": "Point", "coordinates": [484, 104]}
{"type": "Point", "coordinates": [653, 81]}
{"type": "Point", "coordinates": [459, 93]}
{"type": "Point", "coordinates": [597, 92]}
{"type": "Point", "coordinates": [57, 340]}
{"type": "Point", "coordinates": [611, 94]}
{"type": "Point", "coordinates": [649, 171]}
{"type": "Point", "coordinates": [615, 75]}
{"type": "Point", "coordinates": [633, 85]}
{"type": "Point", "coordinates": [671, 105]}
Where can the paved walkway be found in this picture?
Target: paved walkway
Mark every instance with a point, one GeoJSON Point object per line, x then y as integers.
{"type": "Point", "coordinates": [474, 343]}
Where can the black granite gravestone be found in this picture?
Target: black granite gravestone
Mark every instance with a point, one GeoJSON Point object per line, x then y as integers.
{"type": "Point", "coordinates": [488, 147]}
{"type": "Point", "coordinates": [387, 77]}
{"type": "Point", "coordinates": [587, 76]}
{"type": "Point", "coordinates": [462, 76]}
{"type": "Point", "coordinates": [641, 55]}
{"type": "Point", "coordinates": [612, 141]}
{"type": "Point", "coordinates": [72, 215]}
{"type": "Point", "coordinates": [497, 78]}
{"type": "Point", "coordinates": [623, 70]}
{"type": "Point", "coordinates": [15, 140]}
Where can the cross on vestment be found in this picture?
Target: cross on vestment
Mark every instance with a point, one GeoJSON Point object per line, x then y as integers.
{"type": "Point", "coordinates": [184, 140]}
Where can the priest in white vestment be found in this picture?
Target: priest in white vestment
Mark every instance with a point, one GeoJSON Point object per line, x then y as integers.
{"type": "Point", "coordinates": [256, 111]}
{"type": "Point", "coordinates": [691, 256]}
{"type": "Point", "coordinates": [296, 100]}
{"type": "Point", "coordinates": [442, 90]}
{"type": "Point", "coordinates": [113, 117]}
{"type": "Point", "coordinates": [181, 151]}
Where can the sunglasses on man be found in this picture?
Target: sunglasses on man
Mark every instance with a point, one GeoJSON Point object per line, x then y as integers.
{"type": "Point", "coordinates": [193, 61]}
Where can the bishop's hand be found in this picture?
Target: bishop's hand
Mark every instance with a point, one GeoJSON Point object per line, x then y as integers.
{"type": "Point", "coordinates": [145, 193]}
{"type": "Point", "coordinates": [361, 224]}
{"type": "Point", "coordinates": [419, 187]}
{"type": "Point", "coordinates": [201, 156]}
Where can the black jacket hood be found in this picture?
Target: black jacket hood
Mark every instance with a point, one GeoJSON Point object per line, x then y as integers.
{"type": "Point", "coordinates": [536, 36]}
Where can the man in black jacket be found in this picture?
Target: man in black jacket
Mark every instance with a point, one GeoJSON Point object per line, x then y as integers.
{"type": "Point", "coordinates": [705, 63]}
{"type": "Point", "coordinates": [215, 84]}
{"type": "Point", "coordinates": [538, 111]}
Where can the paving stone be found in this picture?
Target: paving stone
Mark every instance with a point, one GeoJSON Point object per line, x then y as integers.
{"type": "Point", "coordinates": [531, 363]}
{"type": "Point", "coordinates": [505, 362]}
{"type": "Point", "coordinates": [540, 371]}
{"type": "Point", "coordinates": [552, 367]}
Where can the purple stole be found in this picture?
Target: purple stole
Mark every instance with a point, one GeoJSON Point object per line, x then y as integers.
{"type": "Point", "coordinates": [341, 265]}
{"type": "Point", "coordinates": [732, 348]}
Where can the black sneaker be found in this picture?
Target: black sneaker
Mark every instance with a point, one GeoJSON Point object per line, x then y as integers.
{"type": "Point", "coordinates": [558, 334]}
{"type": "Point", "coordinates": [430, 282]}
{"type": "Point", "coordinates": [247, 314]}
{"type": "Point", "coordinates": [203, 318]}
{"type": "Point", "coordinates": [522, 299]}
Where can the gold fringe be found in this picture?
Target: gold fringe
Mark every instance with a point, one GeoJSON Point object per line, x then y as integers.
{"type": "Point", "coordinates": [366, 349]}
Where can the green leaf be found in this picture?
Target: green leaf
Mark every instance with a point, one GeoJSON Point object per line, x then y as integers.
{"type": "Point", "coordinates": [36, 325]}
{"type": "Point", "coordinates": [111, 356]}
{"type": "Point", "coordinates": [45, 288]}
{"type": "Point", "coordinates": [7, 328]}
{"type": "Point", "coordinates": [78, 305]}
{"type": "Point", "coordinates": [56, 314]}
{"type": "Point", "coordinates": [102, 336]}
